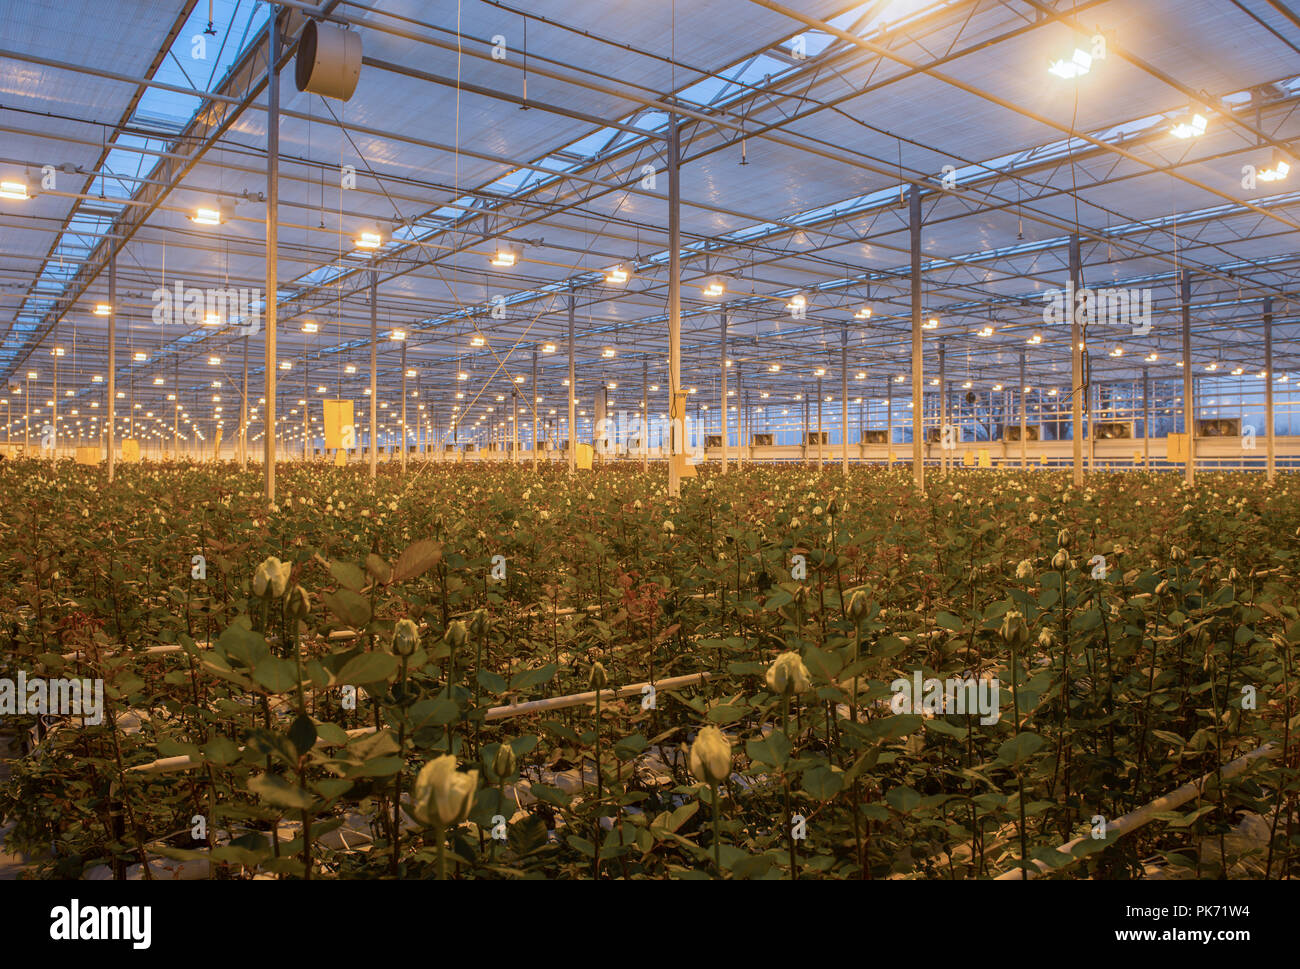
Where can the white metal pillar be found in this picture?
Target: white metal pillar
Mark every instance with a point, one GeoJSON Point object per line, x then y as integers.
{"type": "Point", "coordinates": [1270, 451]}
{"type": "Point", "coordinates": [1076, 363]}
{"type": "Point", "coordinates": [723, 365]}
{"type": "Point", "coordinates": [374, 373]}
{"type": "Point", "coordinates": [674, 304]}
{"type": "Point", "coordinates": [573, 390]}
{"type": "Point", "coordinates": [1189, 412]}
{"type": "Point", "coordinates": [918, 389]}
{"type": "Point", "coordinates": [272, 236]}
{"type": "Point", "coordinates": [844, 398]}
{"type": "Point", "coordinates": [112, 364]}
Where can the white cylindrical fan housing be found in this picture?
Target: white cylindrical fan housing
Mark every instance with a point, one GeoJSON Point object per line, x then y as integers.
{"type": "Point", "coordinates": [328, 61]}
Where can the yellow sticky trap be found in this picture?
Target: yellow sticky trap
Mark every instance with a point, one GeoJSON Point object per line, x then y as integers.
{"type": "Point", "coordinates": [339, 427]}
{"type": "Point", "coordinates": [1176, 448]}
{"type": "Point", "coordinates": [986, 459]}
{"type": "Point", "coordinates": [677, 415]}
{"type": "Point", "coordinates": [89, 455]}
{"type": "Point", "coordinates": [583, 456]}
{"type": "Point", "coordinates": [216, 445]}
{"type": "Point", "coordinates": [130, 449]}
{"type": "Point", "coordinates": [968, 459]}
{"type": "Point", "coordinates": [340, 458]}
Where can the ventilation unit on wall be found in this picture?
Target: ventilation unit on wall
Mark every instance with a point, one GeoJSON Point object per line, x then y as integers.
{"type": "Point", "coordinates": [875, 437]}
{"type": "Point", "coordinates": [1219, 427]}
{"type": "Point", "coordinates": [713, 440]}
{"type": "Point", "coordinates": [1011, 433]}
{"type": "Point", "coordinates": [763, 440]}
{"type": "Point", "coordinates": [1113, 430]}
{"type": "Point", "coordinates": [813, 435]}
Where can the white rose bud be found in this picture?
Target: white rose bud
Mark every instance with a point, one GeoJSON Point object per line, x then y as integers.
{"type": "Point", "coordinates": [787, 674]}
{"type": "Point", "coordinates": [710, 758]}
{"type": "Point", "coordinates": [406, 637]}
{"type": "Point", "coordinates": [272, 578]}
{"type": "Point", "coordinates": [443, 796]}
{"type": "Point", "coordinates": [299, 605]}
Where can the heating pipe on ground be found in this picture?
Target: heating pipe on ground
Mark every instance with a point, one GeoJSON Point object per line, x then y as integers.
{"type": "Point", "coordinates": [1144, 815]}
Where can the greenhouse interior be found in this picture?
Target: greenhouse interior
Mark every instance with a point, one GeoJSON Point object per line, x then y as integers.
{"type": "Point", "coordinates": [747, 440]}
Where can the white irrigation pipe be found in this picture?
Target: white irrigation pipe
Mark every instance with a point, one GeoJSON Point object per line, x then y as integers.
{"type": "Point", "coordinates": [1144, 815]}
{"type": "Point", "coordinates": [181, 762]}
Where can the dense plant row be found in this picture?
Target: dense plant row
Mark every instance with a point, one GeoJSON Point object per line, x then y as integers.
{"type": "Point", "coordinates": [341, 655]}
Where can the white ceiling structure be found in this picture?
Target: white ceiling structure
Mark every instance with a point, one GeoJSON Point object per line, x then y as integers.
{"type": "Point", "coordinates": [801, 128]}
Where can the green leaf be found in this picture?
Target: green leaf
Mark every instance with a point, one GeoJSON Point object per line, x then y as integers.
{"type": "Point", "coordinates": [947, 620]}
{"type": "Point", "coordinates": [526, 835]}
{"type": "Point", "coordinates": [822, 663]}
{"type": "Point", "coordinates": [1019, 748]}
{"type": "Point", "coordinates": [939, 725]}
{"type": "Point", "coordinates": [373, 667]}
{"type": "Point", "coordinates": [530, 678]}
{"type": "Point", "coordinates": [551, 795]}
{"type": "Point", "coordinates": [773, 749]}
{"type": "Point", "coordinates": [243, 645]}
{"type": "Point", "coordinates": [903, 799]}
{"type": "Point", "coordinates": [276, 675]}
{"type": "Point", "coordinates": [865, 762]}
{"type": "Point", "coordinates": [822, 782]}
{"type": "Point", "coordinates": [302, 734]}
{"type": "Point", "coordinates": [777, 599]}
{"type": "Point", "coordinates": [726, 714]}
{"type": "Point", "coordinates": [581, 845]}
{"type": "Point", "coordinates": [434, 712]}
{"type": "Point", "coordinates": [373, 745]}
{"type": "Point", "coordinates": [348, 575]}
{"type": "Point", "coordinates": [378, 568]}
{"type": "Point", "coordinates": [671, 822]}
{"type": "Point", "coordinates": [167, 747]}
{"type": "Point", "coordinates": [331, 787]}
{"type": "Point", "coordinates": [417, 559]}
{"type": "Point", "coordinates": [377, 767]}
{"type": "Point", "coordinates": [221, 751]}
{"type": "Point", "coordinates": [352, 608]}
{"type": "Point", "coordinates": [630, 747]}
{"type": "Point", "coordinates": [331, 734]}
{"type": "Point", "coordinates": [278, 792]}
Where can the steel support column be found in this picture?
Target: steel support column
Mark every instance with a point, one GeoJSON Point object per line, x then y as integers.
{"type": "Point", "coordinates": [1189, 412]}
{"type": "Point", "coordinates": [674, 304]}
{"type": "Point", "coordinates": [1076, 363]}
{"type": "Point", "coordinates": [918, 389]}
{"type": "Point", "coordinates": [1270, 449]}
{"type": "Point", "coordinates": [272, 236]}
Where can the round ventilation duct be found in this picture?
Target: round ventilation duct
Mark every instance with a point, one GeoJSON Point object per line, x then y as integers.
{"type": "Point", "coordinates": [329, 61]}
